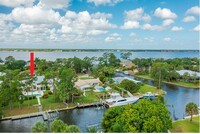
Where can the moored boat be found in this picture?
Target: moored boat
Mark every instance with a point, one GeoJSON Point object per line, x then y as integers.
{"type": "Point", "coordinates": [117, 100]}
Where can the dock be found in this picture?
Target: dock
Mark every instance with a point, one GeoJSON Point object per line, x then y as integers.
{"type": "Point", "coordinates": [90, 105]}
{"type": "Point", "coordinates": [45, 117]}
{"type": "Point", "coordinates": [26, 116]}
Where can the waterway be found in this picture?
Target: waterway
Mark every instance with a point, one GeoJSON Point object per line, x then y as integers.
{"type": "Point", "coordinates": [54, 55]}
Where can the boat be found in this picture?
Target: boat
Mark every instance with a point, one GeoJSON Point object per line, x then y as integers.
{"type": "Point", "coordinates": [117, 100]}
{"type": "Point", "coordinates": [149, 95]}
{"type": "Point", "coordinates": [126, 73]}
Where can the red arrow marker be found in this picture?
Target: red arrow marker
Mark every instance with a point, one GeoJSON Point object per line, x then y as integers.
{"type": "Point", "coordinates": [32, 65]}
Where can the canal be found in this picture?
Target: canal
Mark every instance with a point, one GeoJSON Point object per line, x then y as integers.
{"type": "Point", "coordinates": [177, 97]}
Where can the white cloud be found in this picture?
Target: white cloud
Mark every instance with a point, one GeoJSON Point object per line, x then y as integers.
{"type": "Point", "coordinates": [133, 18]}
{"type": "Point", "coordinates": [113, 37]}
{"type": "Point", "coordinates": [137, 15]}
{"type": "Point", "coordinates": [167, 22]}
{"type": "Point", "coordinates": [130, 25]}
{"type": "Point", "coordinates": [194, 10]}
{"type": "Point", "coordinates": [132, 34]}
{"type": "Point", "coordinates": [6, 26]}
{"type": "Point", "coordinates": [33, 33]}
{"type": "Point", "coordinates": [189, 19]}
{"type": "Point", "coordinates": [165, 13]}
{"type": "Point", "coordinates": [58, 4]}
{"type": "Point", "coordinates": [35, 15]}
{"type": "Point", "coordinates": [149, 39]}
{"type": "Point", "coordinates": [151, 27]}
{"type": "Point", "coordinates": [85, 24]}
{"type": "Point", "coordinates": [104, 2]}
{"type": "Point", "coordinates": [197, 28]}
{"type": "Point", "coordinates": [176, 29]}
{"type": "Point", "coordinates": [167, 39]}
{"type": "Point", "coordinates": [16, 3]}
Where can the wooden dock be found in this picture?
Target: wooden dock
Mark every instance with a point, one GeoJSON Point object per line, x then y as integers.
{"type": "Point", "coordinates": [26, 116]}
{"type": "Point", "coordinates": [90, 105]}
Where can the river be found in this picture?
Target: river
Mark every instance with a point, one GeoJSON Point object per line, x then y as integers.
{"type": "Point", "coordinates": [54, 55]}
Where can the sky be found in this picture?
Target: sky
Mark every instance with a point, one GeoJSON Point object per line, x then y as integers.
{"type": "Point", "coordinates": [100, 24]}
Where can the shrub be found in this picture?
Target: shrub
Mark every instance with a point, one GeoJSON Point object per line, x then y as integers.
{"type": "Point", "coordinates": [50, 92]}
{"type": "Point", "coordinates": [45, 96]}
{"type": "Point", "coordinates": [29, 97]}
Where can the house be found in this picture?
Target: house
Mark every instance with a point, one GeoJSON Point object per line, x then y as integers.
{"type": "Point", "coordinates": [127, 63]}
{"type": "Point", "coordinates": [118, 80]}
{"type": "Point", "coordinates": [38, 85]}
{"type": "Point", "coordinates": [2, 73]}
{"type": "Point", "coordinates": [87, 84]}
{"type": "Point", "coordinates": [191, 73]}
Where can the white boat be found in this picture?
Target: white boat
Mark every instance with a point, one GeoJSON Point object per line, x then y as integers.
{"type": "Point", "coordinates": [117, 100]}
{"type": "Point", "coordinates": [149, 95]}
{"type": "Point", "coordinates": [126, 72]}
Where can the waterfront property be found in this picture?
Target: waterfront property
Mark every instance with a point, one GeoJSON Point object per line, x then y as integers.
{"type": "Point", "coordinates": [38, 87]}
{"type": "Point", "coordinates": [87, 84]}
{"type": "Point", "coordinates": [127, 63]}
{"type": "Point", "coordinates": [191, 73]}
{"type": "Point", "coordinates": [186, 126]}
{"type": "Point", "coordinates": [118, 80]}
{"type": "Point", "coordinates": [2, 73]}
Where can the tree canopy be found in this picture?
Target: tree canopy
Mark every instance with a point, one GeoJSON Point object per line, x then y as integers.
{"type": "Point", "coordinates": [129, 86]}
{"type": "Point", "coordinates": [145, 116]}
{"type": "Point", "coordinates": [58, 126]}
{"type": "Point", "coordinates": [39, 127]}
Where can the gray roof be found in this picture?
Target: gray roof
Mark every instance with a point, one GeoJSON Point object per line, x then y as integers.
{"type": "Point", "coordinates": [118, 80]}
{"type": "Point", "coordinates": [181, 72]}
{"type": "Point", "coordinates": [2, 73]}
{"type": "Point", "coordinates": [39, 79]}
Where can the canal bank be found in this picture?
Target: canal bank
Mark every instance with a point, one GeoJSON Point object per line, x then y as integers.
{"type": "Point", "coordinates": [167, 82]}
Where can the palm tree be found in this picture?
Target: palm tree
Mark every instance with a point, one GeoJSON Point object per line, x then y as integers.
{"type": "Point", "coordinates": [191, 109]}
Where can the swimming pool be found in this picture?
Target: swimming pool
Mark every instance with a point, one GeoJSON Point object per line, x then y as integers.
{"type": "Point", "coordinates": [100, 88]}
{"type": "Point", "coordinates": [34, 95]}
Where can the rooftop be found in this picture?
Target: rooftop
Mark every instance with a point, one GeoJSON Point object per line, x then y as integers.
{"type": "Point", "coordinates": [181, 72]}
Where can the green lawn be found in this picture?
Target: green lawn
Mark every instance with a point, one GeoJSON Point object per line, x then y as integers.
{"type": "Point", "coordinates": [145, 76]}
{"type": "Point", "coordinates": [187, 84]}
{"type": "Point", "coordinates": [185, 126]}
{"type": "Point", "coordinates": [49, 103]}
{"type": "Point", "coordinates": [90, 97]}
{"type": "Point", "coordinates": [179, 83]}
{"type": "Point", "coordinates": [25, 108]}
{"type": "Point", "coordinates": [147, 88]}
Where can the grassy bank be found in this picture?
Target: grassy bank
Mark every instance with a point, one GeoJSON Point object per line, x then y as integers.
{"type": "Point", "coordinates": [28, 106]}
{"type": "Point", "coordinates": [178, 83]}
{"type": "Point", "coordinates": [186, 126]}
{"type": "Point", "coordinates": [147, 88]}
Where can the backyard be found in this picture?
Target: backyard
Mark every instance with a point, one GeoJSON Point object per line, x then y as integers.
{"type": "Point", "coordinates": [186, 126]}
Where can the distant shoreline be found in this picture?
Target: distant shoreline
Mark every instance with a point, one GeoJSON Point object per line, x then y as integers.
{"type": "Point", "coordinates": [90, 50]}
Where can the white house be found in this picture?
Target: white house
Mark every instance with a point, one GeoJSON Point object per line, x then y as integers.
{"type": "Point", "coordinates": [87, 83]}
{"type": "Point", "coordinates": [191, 73]}
{"type": "Point", "coordinates": [118, 80]}
{"type": "Point", "coordinates": [2, 73]}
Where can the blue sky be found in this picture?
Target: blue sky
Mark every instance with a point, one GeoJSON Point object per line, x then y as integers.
{"type": "Point", "coordinates": [100, 24]}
